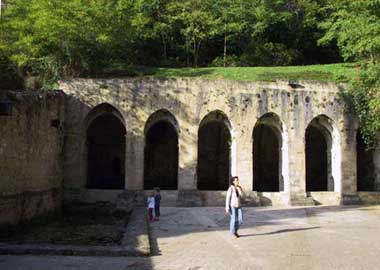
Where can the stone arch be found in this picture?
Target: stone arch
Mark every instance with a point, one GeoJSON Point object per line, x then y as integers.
{"type": "Point", "coordinates": [103, 108]}
{"type": "Point", "coordinates": [365, 167]}
{"type": "Point", "coordinates": [104, 129]}
{"type": "Point", "coordinates": [270, 154]}
{"type": "Point", "coordinates": [216, 152]}
{"type": "Point", "coordinates": [161, 151]}
{"type": "Point", "coordinates": [322, 155]}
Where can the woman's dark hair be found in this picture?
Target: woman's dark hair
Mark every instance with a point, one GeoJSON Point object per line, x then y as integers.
{"type": "Point", "coordinates": [233, 179]}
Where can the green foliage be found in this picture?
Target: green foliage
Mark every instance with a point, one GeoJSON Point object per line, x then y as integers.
{"type": "Point", "coordinates": [287, 32]}
{"type": "Point", "coordinates": [365, 97]}
{"type": "Point", "coordinates": [197, 24]}
{"type": "Point", "coordinates": [269, 54]}
{"type": "Point", "coordinates": [9, 77]}
{"type": "Point", "coordinates": [355, 27]}
{"type": "Point", "coordinates": [62, 38]}
{"type": "Point", "coordinates": [228, 61]}
{"type": "Point", "coordinates": [57, 39]}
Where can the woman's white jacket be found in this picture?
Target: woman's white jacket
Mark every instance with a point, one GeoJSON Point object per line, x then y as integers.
{"type": "Point", "coordinates": [232, 199]}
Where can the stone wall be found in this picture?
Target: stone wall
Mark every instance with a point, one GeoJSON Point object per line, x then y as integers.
{"type": "Point", "coordinates": [31, 144]}
{"type": "Point", "coordinates": [244, 104]}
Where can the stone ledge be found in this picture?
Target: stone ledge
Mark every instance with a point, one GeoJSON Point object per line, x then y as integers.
{"type": "Point", "coordinates": [136, 237]}
{"type": "Point", "coordinates": [369, 197]}
{"type": "Point", "coordinates": [135, 242]}
{"type": "Point", "coordinates": [66, 250]}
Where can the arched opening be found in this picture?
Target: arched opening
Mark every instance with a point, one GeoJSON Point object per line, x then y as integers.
{"type": "Point", "coordinates": [316, 160]}
{"type": "Point", "coordinates": [270, 155]}
{"type": "Point", "coordinates": [322, 155]}
{"type": "Point", "coordinates": [265, 159]}
{"type": "Point", "coordinates": [106, 152]}
{"type": "Point", "coordinates": [214, 152]}
{"type": "Point", "coordinates": [161, 152]}
{"type": "Point", "coordinates": [365, 165]}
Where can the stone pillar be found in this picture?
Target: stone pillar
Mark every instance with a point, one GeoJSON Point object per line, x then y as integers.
{"type": "Point", "coordinates": [75, 150]}
{"type": "Point", "coordinates": [134, 161]}
{"type": "Point", "coordinates": [187, 167]}
{"type": "Point", "coordinates": [188, 195]}
{"type": "Point", "coordinates": [244, 159]}
{"type": "Point", "coordinates": [297, 169]}
{"type": "Point", "coordinates": [349, 164]}
{"type": "Point", "coordinates": [348, 167]}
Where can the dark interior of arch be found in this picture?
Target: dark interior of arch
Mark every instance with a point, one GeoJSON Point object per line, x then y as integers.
{"type": "Point", "coordinates": [365, 166]}
{"type": "Point", "coordinates": [316, 160]}
{"type": "Point", "coordinates": [265, 159]}
{"type": "Point", "coordinates": [106, 153]}
{"type": "Point", "coordinates": [161, 157]}
{"type": "Point", "coordinates": [213, 170]}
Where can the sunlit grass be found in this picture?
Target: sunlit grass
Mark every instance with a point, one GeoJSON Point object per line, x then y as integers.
{"type": "Point", "coordinates": [325, 73]}
{"type": "Point", "coordinates": [342, 72]}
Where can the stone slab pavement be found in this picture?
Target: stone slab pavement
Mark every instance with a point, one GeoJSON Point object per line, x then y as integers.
{"type": "Point", "coordinates": [271, 238]}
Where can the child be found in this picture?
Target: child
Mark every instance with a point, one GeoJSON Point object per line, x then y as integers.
{"type": "Point", "coordinates": [150, 206]}
{"type": "Point", "coordinates": [157, 200]}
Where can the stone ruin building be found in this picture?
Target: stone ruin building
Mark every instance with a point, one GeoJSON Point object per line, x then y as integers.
{"type": "Point", "coordinates": [114, 140]}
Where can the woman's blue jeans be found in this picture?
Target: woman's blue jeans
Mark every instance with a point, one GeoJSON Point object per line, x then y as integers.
{"type": "Point", "coordinates": [236, 219]}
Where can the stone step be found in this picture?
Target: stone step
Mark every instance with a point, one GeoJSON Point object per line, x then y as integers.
{"type": "Point", "coordinates": [351, 200]}
{"type": "Point", "coordinates": [302, 201]}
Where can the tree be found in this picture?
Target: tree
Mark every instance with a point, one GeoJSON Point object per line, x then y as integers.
{"type": "Point", "coordinates": [197, 23]}
{"type": "Point", "coordinates": [355, 26]}
{"type": "Point", "coordinates": [365, 97]}
{"type": "Point", "coordinates": [153, 23]}
{"type": "Point", "coordinates": [283, 32]}
{"type": "Point", "coordinates": [232, 20]}
{"type": "Point", "coordinates": [62, 38]}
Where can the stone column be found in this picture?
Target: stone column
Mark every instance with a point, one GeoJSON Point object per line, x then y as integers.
{"type": "Point", "coordinates": [349, 164]}
{"type": "Point", "coordinates": [297, 169]}
{"type": "Point", "coordinates": [75, 149]}
{"type": "Point", "coordinates": [134, 161]}
{"type": "Point", "coordinates": [187, 167]}
{"type": "Point", "coordinates": [244, 159]}
{"type": "Point", "coordinates": [188, 195]}
{"type": "Point", "coordinates": [349, 173]}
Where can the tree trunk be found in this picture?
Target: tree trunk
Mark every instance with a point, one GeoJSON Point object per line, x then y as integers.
{"type": "Point", "coordinates": [225, 50]}
{"type": "Point", "coordinates": [187, 54]}
{"type": "Point", "coordinates": [195, 54]}
{"type": "Point", "coordinates": [165, 49]}
{"type": "Point", "coordinates": [197, 46]}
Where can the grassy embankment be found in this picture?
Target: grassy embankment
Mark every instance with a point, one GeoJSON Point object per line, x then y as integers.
{"type": "Point", "coordinates": [323, 73]}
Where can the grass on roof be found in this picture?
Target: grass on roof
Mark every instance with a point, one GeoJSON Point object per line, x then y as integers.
{"type": "Point", "coordinates": [323, 73]}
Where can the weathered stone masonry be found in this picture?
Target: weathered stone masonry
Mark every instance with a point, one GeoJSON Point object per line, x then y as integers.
{"type": "Point", "coordinates": [273, 110]}
{"type": "Point", "coordinates": [31, 146]}
{"type": "Point", "coordinates": [115, 139]}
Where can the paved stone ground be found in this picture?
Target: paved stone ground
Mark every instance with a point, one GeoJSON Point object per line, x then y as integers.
{"type": "Point", "coordinates": [271, 238]}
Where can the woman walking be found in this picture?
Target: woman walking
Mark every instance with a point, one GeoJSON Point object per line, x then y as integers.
{"type": "Point", "coordinates": [233, 205]}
